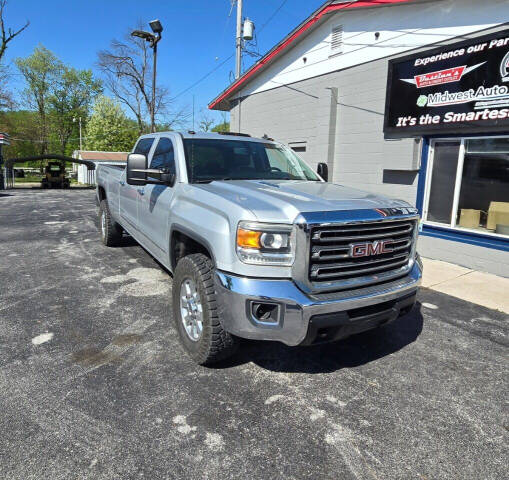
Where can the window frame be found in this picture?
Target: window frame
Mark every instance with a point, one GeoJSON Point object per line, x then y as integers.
{"type": "Point", "coordinates": [457, 185]}
{"type": "Point", "coordinates": [156, 144]}
{"type": "Point", "coordinates": [151, 145]}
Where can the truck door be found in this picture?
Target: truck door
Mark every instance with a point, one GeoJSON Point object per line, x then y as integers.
{"type": "Point", "coordinates": [129, 194]}
{"type": "Point", "coordinates": [154, 203]}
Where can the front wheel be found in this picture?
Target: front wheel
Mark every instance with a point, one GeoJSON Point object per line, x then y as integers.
{"type": "Point", "coordinates": [195, 311]}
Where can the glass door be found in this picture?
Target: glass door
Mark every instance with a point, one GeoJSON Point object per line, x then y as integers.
{"type": "Point", "coordinates": [441, 182]}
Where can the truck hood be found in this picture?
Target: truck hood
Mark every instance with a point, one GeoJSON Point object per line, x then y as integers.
{"type": "Point", "coordinates": [279, 200]}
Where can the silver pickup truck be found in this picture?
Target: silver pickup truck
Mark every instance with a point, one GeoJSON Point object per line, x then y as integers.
{"type": "Point", "coordinates": [259, 245]}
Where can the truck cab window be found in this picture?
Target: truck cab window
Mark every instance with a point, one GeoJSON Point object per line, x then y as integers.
{"type": "Point", "coordinates": [164, 156]}
{"type": "Point", "coordinates": [143, 146]}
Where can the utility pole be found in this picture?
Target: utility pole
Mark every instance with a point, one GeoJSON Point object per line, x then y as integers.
{"type": "Point", "coordinates": [238, 41]}
{"type": "Point", "coordinates": [79, 120]}
{"type": "Point", "coordinates": [81, 140]}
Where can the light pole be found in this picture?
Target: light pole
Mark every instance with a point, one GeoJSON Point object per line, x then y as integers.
{"type": "Point", "coordinates": [153, 40]}
{"type": "Point", "coordinates": [81, 142]}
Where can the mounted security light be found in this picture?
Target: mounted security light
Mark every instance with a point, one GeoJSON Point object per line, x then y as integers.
{"type": "Point", "coordinates": [142, 34]}
{"type": "Point", "coordinates": [156, 26]}
{"type": "Point", "coordinates": [248, 29]}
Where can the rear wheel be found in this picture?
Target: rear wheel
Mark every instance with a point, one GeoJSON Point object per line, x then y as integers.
{"type": "Point", "coordinates": [195, 311]}
{"type": "Point", "coordinates": [111, 231]}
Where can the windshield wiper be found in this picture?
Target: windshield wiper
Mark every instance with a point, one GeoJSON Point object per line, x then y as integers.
{"type": "Point", "coordinates": [227, 179]}
{"type": "Point", "coordinates": [202, 181]}
{"type": "Point", "coordinates": [252, 178]}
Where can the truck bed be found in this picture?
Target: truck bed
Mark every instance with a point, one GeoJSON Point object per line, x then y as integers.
{"type": "Point", "coordinates": [109, 178]}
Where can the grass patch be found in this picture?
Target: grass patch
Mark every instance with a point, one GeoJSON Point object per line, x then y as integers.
{"type": "Point", "coordinates": [29, 179]}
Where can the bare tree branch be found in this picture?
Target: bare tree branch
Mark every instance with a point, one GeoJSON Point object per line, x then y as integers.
{"type": "Point", "coordinates": [127, 69]}
{"type": "Point", "coordinates": [8, 36]}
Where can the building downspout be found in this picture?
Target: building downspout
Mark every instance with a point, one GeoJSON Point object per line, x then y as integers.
{"type": "Point", "coordinates": [331, 144]}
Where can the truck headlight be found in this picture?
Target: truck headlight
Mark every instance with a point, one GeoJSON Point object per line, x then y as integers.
{"type": "Point", "coordinates": [265, 243]}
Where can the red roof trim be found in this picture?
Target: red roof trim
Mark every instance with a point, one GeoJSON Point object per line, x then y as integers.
{"type": "Point", "coordinates": [292, 38]}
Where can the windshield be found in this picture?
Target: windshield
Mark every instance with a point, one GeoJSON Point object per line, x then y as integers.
{"type": "Point", "coordinates": [217, 159]}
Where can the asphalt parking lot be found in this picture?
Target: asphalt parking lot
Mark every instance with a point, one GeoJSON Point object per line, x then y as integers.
{"type": "Point", "coordinates": [94, 384]}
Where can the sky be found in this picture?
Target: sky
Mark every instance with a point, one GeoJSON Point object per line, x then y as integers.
{"type": "Point", "coordinates": [197, 36]}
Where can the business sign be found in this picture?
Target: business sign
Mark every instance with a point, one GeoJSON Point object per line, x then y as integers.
{"type": "Point", "coordinates": [459, 88]}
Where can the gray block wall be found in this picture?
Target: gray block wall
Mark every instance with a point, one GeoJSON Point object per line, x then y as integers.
{"type": "Point", "coordinates": [300, 112]}
{"type": "Point", "coordinates": [470, 256]}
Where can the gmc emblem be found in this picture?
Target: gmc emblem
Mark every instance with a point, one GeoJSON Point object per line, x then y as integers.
{"type": "Point", "coordinates": [367, 249]}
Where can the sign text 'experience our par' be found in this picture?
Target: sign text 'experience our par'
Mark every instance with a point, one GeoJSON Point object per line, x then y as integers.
{"type": "Point", "coordinates": [457, 88]}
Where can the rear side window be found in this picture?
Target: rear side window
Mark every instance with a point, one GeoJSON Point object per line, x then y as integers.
{"type": "Point", "coordinates": [144, 146]}
{"type": "Point", "coordinates": [164, 156]}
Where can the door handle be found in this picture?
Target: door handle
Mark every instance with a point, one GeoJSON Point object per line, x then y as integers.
{"type": "Point", "coordinates": [121, 182]}
{"type": "Point", "coordinates": [141, 191]}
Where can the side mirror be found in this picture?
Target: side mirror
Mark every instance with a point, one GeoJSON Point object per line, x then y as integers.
{"type": "Point", "coordinates": [160, 177]}
{"type": "Point", "coordinates": [136, 169]}
{"type": "Point", "coordinates": [323, 171]}
{"type": "Point", "coordinates": [168, 179]}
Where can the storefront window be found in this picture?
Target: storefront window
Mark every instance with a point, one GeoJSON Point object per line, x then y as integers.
{"type": "Point", "coordinates": [443, 178]}
{"type": "Point", "coordinates": [469, 185]}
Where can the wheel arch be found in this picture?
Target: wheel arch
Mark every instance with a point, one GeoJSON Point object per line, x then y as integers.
{"type": "Point", "coordinates": [101, 193]}
{"type": "Point", "coordinates": [184, 241]}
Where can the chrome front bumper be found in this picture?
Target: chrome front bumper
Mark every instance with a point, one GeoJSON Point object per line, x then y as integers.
{"type": "Point", "coordinates": [297, 309]}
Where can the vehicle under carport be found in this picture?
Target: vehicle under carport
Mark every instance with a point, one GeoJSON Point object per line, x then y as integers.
{"type": "Point", "coordinates": [54, 171]}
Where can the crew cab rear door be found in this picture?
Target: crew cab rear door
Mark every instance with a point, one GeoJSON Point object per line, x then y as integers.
{"type": "Point", "coordinates": [155, 202]}
{"type": "Point", "coordinates": [129, 194]}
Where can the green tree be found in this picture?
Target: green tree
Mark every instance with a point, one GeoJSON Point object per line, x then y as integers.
{"type": "Point", "coordinates": [41, 70]}
{"type": "Point", "coordinates": [22, 126]}
{"type": "Point", "coordinates": [109, 129]}
{"type": "Point", "coordinates": [72, 97]}
{"type": "Point", "coordinates": [221, 127]}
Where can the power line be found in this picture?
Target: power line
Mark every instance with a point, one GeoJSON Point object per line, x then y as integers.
{"type": "Point", "coordinates": [217, 67]}
{"type": "Point", "coordinates": [273, 15]}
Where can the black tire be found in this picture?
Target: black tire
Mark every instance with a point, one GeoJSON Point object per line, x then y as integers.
{"type": "Point", "coordinates": [111, 231]}
{"type": "Point", "coordinates": [215, 344]}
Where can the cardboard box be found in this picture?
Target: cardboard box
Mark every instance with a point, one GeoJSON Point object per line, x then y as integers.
{"type": "Point", "coordinates": [470, 218]}
{"type": "Point", "coordinates": [498, 213]}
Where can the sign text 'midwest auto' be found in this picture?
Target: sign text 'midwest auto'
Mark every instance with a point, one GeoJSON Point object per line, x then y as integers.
{"type": "Point", "coordinates": [459, 90]}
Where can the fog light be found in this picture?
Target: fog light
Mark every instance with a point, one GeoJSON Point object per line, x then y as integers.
{"type": "Point", "coordinates": [265, 312]}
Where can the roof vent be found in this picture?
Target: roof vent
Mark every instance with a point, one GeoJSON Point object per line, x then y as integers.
{"type": "Point", "coordinates": [336, 45]}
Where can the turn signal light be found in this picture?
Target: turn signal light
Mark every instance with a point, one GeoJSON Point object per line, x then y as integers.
{"type": "Point", "coordinates": [248, 238]}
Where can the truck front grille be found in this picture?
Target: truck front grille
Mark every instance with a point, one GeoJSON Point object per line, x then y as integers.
{"type": "Point", "coordinates": [331, 257]}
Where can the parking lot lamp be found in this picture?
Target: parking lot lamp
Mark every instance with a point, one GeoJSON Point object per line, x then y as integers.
{"type": "Point", "coordinates": [153, 39]}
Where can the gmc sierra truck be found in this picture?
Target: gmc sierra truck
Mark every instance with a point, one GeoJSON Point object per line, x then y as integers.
{"type": "Point", "coordinates": [259, 245]}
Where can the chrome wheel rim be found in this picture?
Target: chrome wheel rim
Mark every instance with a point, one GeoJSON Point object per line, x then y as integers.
{"type": "Point", "coordinates": [191, 311]}
{"type": "Point", "coordinates": [103, 224]}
